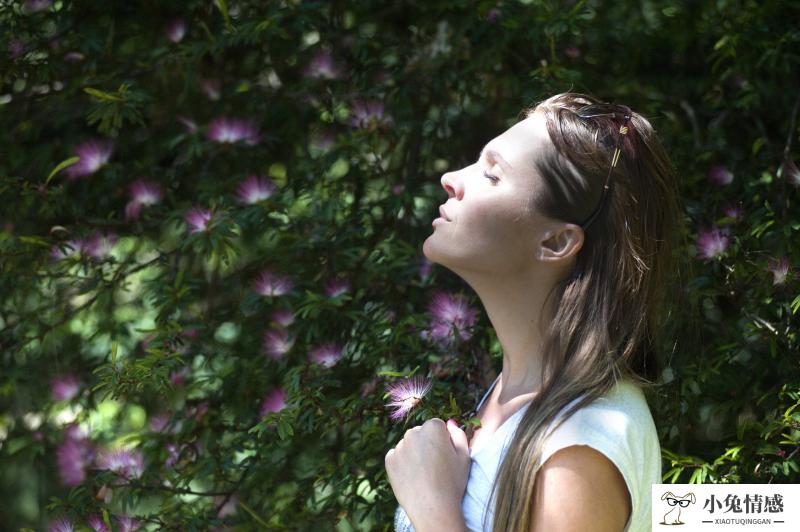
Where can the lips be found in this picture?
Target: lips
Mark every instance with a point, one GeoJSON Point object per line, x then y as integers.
{"type": "Point", "coordinates": [443, 214]}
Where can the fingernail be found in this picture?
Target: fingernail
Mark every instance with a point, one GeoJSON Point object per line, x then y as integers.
{"type": "Point", "coordinates": [453, 421]}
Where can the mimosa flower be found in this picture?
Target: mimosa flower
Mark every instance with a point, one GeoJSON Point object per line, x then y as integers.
{"type": "Point", "coordinates": [269, 284]}
{"type": "Point", "coordinates": [711, 243]}
{"type": "Point", "coordinates": [143, 194]}
{"type": "Point", "coordinates": [97, 524]}
{"type": "Point", "coordinates": [322, 66]}
{"type": "Point", "coordinates": [425, 267]}
{"type": "Point", "coordinates": [93, 155]}
{"type": "Point", "coordinates": [127, 524]}
{"type": "Point", "coordinates": [255, 189]}
{"type": "Point", "coordinates": [336, 287]}
{"type": "Point", "coordinates": [277, 343]}
{"type": "Point", "coordinates": [790, 172]}
{"type": "Point", "coordinates": [283, 317]}
{"type": "Point", "coordinates": [176, 30]}
{"type": "Point", "coordinates": [33, 6]}
{"type": "Point", "coordinates": [99, 245]}
{"type": "Point", "coordinates": [61, 525]}
{"type": "Point", "coordinates": [229, 506]}
{"type": "Point", "coordinates": [326, 355]}
{"type": "Point", "coordinates": [211, 88]}
{"type": "Point", "coordinates": [367, 114]}
{"type": "Point", "coordinates": [734, 211]}
{"type": "Point", "coordinates": [188, 123]}
{"type": "Point", "coordinates": [197, 219]}
{"type": "Point", "coordinates": [231, 130]}
{"type": "Point", "coordinates": [73, 457]}
{"type": "Point", "coordinates": [322, 140]}
{"type": "Point", "coordinates": [65, 387]}
{"type": "Point", "coordinates": [70, 248]}
{"type": "Point", "coordinates": [719, 175]}
{"type": "Point", "coordinates": [274, 401]}
{"type": "Point", "coordinates": [779, 269]}
{"type": "Point", "coordinates": [450, 313]}
{"type": "Point", "coordinates": [405, 394]}
{"type": "Point", "coordinates": [126, 463]}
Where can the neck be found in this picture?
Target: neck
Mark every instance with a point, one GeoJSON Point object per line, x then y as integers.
{"type": "Point", "coordinates": [514, 305]}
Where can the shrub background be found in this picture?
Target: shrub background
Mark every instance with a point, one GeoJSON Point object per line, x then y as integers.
{"type": "Point", "coordinates": [123, 330]}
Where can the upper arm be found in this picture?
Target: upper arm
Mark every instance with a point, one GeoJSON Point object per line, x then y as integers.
{"type": "Point", "coordinates": [579, 488]}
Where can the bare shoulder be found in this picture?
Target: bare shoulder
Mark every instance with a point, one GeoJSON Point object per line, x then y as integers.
{"type": "Point", "coordinates": [579, 488]}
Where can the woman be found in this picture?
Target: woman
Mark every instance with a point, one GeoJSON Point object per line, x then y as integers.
{"type": "Point", "coordinates": [565, 228]}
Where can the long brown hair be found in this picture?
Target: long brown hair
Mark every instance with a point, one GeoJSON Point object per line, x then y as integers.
{"type": "Point", "coordinates": [607, 317]}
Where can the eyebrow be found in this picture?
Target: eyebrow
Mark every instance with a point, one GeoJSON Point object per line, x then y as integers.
{"type": "Point", "coordinates": [497, 156]}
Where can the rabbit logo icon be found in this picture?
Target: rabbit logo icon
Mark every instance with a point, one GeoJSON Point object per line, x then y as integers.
{"type": "Point", "coordinates": [675, 502]}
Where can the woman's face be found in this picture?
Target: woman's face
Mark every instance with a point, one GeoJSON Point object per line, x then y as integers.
{"type": "Point", "coordinates": [489, 227]}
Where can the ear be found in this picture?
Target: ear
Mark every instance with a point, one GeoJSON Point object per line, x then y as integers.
{"type": "Point", "coordinates": [560, 242]}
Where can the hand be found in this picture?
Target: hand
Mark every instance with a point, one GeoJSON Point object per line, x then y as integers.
{"type": "Point", "coordinates": [428, 471]}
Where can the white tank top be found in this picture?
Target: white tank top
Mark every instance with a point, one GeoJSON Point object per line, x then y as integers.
{"type": "Point", "coordinates": [619, 425]}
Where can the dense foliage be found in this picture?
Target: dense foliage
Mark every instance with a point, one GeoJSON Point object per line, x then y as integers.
{"type": "Point", "coordinates": [211, 216]}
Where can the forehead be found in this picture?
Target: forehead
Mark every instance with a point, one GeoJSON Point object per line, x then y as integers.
{"type": "Point", "coordinates": [520, 143]}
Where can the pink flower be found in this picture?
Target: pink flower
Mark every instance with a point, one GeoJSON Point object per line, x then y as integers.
{"type": "Point", "coordinates": [96, 523]}
{"type": "Point", "coordinates": [337, 287]}
{"type": "Point", "coordinates": [126, 463]}
{"type": "Point", "coordinates": [61, 525]}
{"type": "Point", "coordinates": [274, 401]}
{"type": "Point", "coordinates": [211, 88]}
{"type": "Point", "coordinates": [197, 219]}
{"type": "Point", "coordinates": [790, 172]}
{"type": "Point", "coordinates": [779, 269]}
{"type": "Point", "coordinates": [127, 524]}
{"type": "Point", "coordinates": [493, 15]}
{"type": "Point", "coordinates": [368, 114]}
{"type": "Point", "coordinates": [65, 387]}
{"type": "Point", "coordinates": [178, 378]}
{"type": "Point", "coordinates": [283, 317]}
{"type": "Point", "coordinates": [73, 57]}
{"type": "Point", "coordinates": [719, 175]}
{"type": "Point", "coordinates": [323, 140]}
{"type": "Point", "coordinates": [322, 66]}
{"type": "Point", "coordinates": [573, 52]}
{"type": "Point", "coordinates": [176, 30]}
{"type": "Point", "coordinates": [425, 267]}
{"type": "Point", "coordinates": [71, 248]}
{"type": "Point", "coordinates": [781, 453]}
{"type": "Point", "coordinates": [93, 155]}
{"type": "Point", "coordinates": [269, 284]}
{"type": "Point", "coordinates": [711, 242]}
{"type": "Point", "coordinates": [734, 211]}
{"type": "Point", "coordinates": [143, 194]}
{"type": "Point", "coordinates": [406, 394]}
{"type": "Point", "coordinates": [188, 123]}
{"type": "Point", "coordinates": [159, 422]}
{"type": "Point", "coordinates": [229, 508]}
{"type": "Point", "coordinates": [99, 245]}
{"type": "Point", "coordinates": [231, 130]}
{"type": "Point", "coordinates": [450, 315]}
{"type": "Point", "coordinates": [277, 343]}
{"type": "Point", "coordinates": [73, 456]}
{"type": "Point", "coordinates": [326, 355]}
{"type": "Point", "coordinates": [34, 6]}
{"type": "Point", "coordinates": [255, 189]}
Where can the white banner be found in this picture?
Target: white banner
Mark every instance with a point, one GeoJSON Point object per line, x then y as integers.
{"type": "Point", "coordinates": [718, 507]}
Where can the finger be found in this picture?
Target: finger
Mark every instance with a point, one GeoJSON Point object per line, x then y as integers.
{"type": "Point", "coordinates": [458, 437]}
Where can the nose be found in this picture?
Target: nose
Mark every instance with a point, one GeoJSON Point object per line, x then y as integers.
{"type": "Point", "coordinates": [449, 184]}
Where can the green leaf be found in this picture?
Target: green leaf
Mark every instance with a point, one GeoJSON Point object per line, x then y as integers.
{"type": "Point", "coordinates": [102, 95]}
{"type": "Point", "coordinates": [63, 164]}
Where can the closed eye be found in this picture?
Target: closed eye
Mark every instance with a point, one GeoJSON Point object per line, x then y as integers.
{"type": "Point", "coordinates": [490, 177]}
